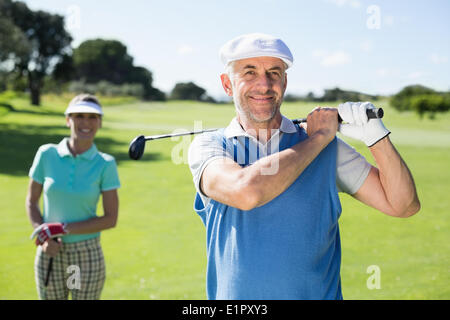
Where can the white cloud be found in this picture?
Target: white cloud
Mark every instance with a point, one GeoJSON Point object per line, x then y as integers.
{"type": "Point", "coordinates": [438, 59]}
{"type": "Point", "coordinates": [335, 59]}
{"type": "Point", "coordinates": [331, 59]}
{"type": "Point", "coordinates": [185, 49]}
{"type": "Point", "coordinates": [415, 75]}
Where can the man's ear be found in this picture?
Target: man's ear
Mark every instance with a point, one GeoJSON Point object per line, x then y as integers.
{"type": "Point", "coordinates": [226, 84]}
{"type": "Point", "coordinates": [67, 122]}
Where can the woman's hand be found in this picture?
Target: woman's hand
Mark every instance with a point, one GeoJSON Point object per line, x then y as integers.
{"type": "Point", "coordinates": [51, 247]}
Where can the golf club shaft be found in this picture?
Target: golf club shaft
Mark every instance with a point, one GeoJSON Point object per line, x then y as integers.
{"type": "Point", "coordinates": [50, 267]}
{"type": "Point", "coordinates": [376, 113]}
{"type": "Point", "coordinates": [49, 271]}
{"type": "Point", "coordinates": [170, 135]}
{"type": "Point", "coordinates": [371, 114]}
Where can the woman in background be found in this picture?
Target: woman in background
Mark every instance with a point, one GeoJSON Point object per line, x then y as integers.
{"type": "Point", "coordinates": [72, 175]}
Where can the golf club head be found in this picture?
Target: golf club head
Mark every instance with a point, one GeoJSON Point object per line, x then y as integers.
{"type": "Point", "coordinates": [137, 147]}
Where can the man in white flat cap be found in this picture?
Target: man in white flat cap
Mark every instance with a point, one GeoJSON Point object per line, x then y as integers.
{"type": "Point", "coordinates": [267, 189]}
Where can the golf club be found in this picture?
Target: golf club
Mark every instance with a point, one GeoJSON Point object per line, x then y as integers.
{"type": "Point", "coordinates": [49, 271]}
{"type": "Point", "coordinates": [137, 146]}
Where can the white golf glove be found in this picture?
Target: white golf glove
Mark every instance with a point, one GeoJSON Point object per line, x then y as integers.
{"type": "Point", "coordinates": [358, 126]}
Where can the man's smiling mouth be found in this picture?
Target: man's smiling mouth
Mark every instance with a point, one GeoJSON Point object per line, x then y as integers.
{"type": "Point", "coordinates": [261, 98]}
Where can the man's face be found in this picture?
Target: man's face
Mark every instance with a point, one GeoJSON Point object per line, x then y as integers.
{"type": "Point", "coordinates": [257, 86]}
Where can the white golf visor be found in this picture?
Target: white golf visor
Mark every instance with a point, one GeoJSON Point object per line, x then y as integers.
{"type": "Point", "coordinates": [84, 107]}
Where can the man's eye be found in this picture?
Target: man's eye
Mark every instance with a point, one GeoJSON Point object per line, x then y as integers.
{"type": "Point", "coordinates": [250, 72]}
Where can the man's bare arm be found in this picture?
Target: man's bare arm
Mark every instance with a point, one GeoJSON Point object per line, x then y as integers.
{"type": "Point", "coordinates": [246, 188]}
{"type": "Point", "coordinates": [389, 188]}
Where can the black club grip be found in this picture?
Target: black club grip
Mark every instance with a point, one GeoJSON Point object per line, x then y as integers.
{"type": "Point", "coordinates": [376, 113]}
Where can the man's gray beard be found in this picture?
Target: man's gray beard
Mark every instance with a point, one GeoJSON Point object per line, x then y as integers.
{"type": "Point", "coordinates": [249, 115]}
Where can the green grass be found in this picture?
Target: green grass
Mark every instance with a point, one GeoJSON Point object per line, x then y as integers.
{"type": "Point", "coordinates": [157, 250]}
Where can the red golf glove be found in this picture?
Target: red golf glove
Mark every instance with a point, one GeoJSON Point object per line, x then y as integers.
{"type": "Point", "coordinates": [48, 231]}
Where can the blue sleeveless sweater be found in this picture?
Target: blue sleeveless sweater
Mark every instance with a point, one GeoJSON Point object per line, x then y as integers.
{"type": "Point", "coordinates": [288, 248]}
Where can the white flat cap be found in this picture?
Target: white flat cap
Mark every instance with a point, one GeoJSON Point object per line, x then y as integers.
{"type": "Point", "coordinates": [255, 45]}
{"type": "Point", "coordinates": [84, 107]}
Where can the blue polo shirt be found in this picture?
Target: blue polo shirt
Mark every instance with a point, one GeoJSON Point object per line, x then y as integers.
{"type": "Point", "coordinates": [288, 248]}
{"type": "Point", "coordinates": [72, 185]}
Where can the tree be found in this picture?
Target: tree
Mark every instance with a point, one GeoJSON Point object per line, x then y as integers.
{"type": "Point", "coordinates": [401, 100]}
{"type": "Point", "coordinates": [99, 59]}
{"type": "Point", "coordinates": [188, 91]}
{"type": "Point", "coordinates": [14, 45]}
{"type": "Point", "coordinates": [47, 38]}
{"type": "Point", "coordinates": [344, 95]}
{"type": "Point", "coordinates": [108, 60]}
{"type": "Point", "coordinates": [64, 70]}
{"type": "Point", "coordinates": [144, 77]}
{"type": "Point", "coordinates": [310, 96]}
{"type": "Point", "coordinates": [422, 100]}
{"type": "Point", "coordinates": [430, 104]}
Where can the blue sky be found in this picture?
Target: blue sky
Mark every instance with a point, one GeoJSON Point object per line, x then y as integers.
{"type": "Point", "coordinates": [377, 47]}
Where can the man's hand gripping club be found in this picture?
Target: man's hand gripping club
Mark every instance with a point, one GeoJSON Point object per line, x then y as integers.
{"type": "Point", "coordinates": [358, 126]}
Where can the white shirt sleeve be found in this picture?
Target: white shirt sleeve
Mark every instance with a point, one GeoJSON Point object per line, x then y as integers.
{"type": "Point", "coordinates": [204, 149]}
{"type": "Point", "coordinates": [352, 168]}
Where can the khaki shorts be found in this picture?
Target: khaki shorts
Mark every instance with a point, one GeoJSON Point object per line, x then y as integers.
{"type": "Point", "coordinates": [79, 268]}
